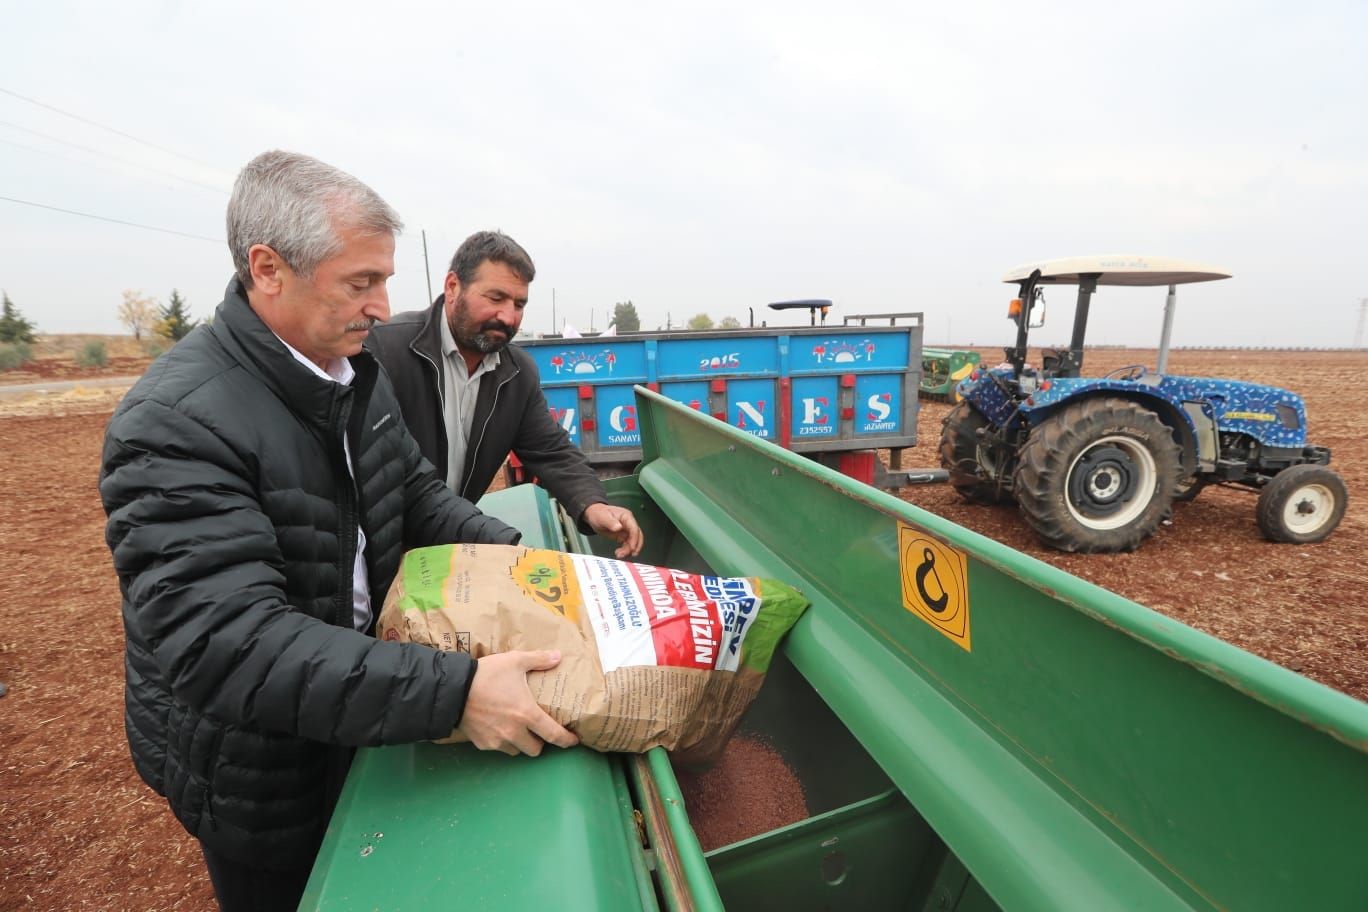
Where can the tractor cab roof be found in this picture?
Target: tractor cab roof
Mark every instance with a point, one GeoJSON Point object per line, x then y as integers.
{"type": "Point", "coordinates": [1117, 270]}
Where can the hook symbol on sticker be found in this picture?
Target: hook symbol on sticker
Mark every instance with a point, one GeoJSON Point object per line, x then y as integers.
{"type": "Point", "coordinates": [935, 583]}
{"type": "Point", "coordinates": [928, 568]}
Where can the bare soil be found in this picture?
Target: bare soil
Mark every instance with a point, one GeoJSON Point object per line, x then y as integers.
{"type": "Point", "coordinates": [54, 358]}
{"type": "Point", "coordinates": [78, 829]}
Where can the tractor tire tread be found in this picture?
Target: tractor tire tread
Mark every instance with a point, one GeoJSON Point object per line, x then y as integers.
{"type": "Point", "coordinates": [1041, 481]}
{"type": "Point", "coordinates": [959, 455]}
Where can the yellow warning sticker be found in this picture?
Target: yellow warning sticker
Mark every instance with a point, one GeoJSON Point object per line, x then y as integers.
{"type": "Point", "coordinates": [1251, 416]}
{"type": "Point", "coordinates": [935, 583]}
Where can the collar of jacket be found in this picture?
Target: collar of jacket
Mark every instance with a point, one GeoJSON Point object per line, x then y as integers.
{"type": "Point", "coordinates": [261, 353]}
{"type": "Point", "coordinates": [427, 342]}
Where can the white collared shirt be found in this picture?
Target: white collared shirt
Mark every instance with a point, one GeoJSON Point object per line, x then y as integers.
{"type": "Point", "coordinates": [340, 371]}
{"type": "Point", "coordinates": [459, 390]}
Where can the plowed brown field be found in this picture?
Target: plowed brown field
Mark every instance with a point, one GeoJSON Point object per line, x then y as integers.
{"type": "Point", "coordinates": [78, 830]}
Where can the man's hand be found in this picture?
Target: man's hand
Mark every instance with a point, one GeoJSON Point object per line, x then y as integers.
{"type": "Point", "coordinates": [500, 713]}
{"type": "Point", "coordinates": [616, 523]}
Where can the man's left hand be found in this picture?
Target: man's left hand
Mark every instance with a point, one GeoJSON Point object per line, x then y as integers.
{"type": "Point", "coordinates": [616, 523]}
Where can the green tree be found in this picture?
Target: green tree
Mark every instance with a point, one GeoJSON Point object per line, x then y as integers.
{"type": "Point", "coordinates": [729, 323]}
{"type": "Point", "coordinates": [176, 321]}
{"type": "Point", "coordinates": [13, 326]}
{"type": "Point", "coordinates": [625, 317]}
{"type": "Point", "coordinates": [700, 321]}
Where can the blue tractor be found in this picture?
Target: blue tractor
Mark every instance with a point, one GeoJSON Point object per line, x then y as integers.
{"type": "Point", "coordinates": [1096, 463]}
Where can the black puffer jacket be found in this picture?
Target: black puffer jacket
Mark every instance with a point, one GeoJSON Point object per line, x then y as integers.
{"type": "Point", "coordinates": [233, 525]}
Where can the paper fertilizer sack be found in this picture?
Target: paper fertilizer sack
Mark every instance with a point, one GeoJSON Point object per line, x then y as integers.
{"type": "Point", "coordinates": [649, 656]}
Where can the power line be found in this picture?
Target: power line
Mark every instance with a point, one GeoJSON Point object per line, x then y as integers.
{"type": "Point", "coordinates": [105, 218]}
{"type": "Point", "coordinates": [122, 161]}
{"type": "Point", "coordinates": [86, 120]}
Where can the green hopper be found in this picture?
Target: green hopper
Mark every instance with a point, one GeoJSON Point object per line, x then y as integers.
{"type": "Point", "coordinates": [974, 730]}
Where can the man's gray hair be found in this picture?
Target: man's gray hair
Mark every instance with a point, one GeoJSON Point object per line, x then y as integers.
{"type": "Point", "coordinates": [297, 205]}
{"type": "Point", "coordinates": [495, 246]}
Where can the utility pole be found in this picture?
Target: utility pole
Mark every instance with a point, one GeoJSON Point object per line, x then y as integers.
{"type": "Point", "coordinates": [1363, 319]}
{"type": "Point", "coordinates": [427, 270]}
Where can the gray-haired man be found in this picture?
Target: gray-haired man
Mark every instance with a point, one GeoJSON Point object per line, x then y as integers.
{"type": "Point", "coordinates": [261, 489]}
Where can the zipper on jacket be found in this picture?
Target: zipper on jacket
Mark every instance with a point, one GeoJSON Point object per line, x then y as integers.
{"type": "Point", "coordinates": [348, 508]}
{"type": "Point", "coordinates": [475, 453]}
{"type": "Point", "coordinates": [441, 397]}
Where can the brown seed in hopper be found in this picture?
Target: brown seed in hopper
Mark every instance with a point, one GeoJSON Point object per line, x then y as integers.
{"type": "Point", "coordinates": [749, 791]}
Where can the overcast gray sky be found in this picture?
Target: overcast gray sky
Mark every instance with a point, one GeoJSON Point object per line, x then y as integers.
{"type": "Point", "coordinates": [890, 156]}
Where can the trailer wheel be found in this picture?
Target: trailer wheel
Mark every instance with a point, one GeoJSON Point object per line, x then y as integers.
{"type": "Point", "coordinates": [1098, 476]}
{"type": "Point", "coordinates": [1302, 504]}
{"type": "Point", "coordinates": [975, 467]}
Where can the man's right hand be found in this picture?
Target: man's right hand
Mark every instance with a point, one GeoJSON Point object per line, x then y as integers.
{"type": "Point", "coordinates": [500, 713]}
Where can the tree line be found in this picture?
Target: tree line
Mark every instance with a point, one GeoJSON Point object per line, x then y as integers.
{"type": "Point", "coordinates": [144, 317]}
{"type": "Point", "coordinates": [626, 319]}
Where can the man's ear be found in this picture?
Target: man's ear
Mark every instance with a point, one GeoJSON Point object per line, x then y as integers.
{"type": "Point", "coordinates": [451, 289]}
{"type": "Point", "coordinates": [267, 269]}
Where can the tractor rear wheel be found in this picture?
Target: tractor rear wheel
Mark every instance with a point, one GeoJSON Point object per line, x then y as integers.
{"type": "Point", "coordinates": [976, 468]}
{"type": "Point", "coordinates": [1302, 504]}
{"type": "Point", "coordinates": [1098, 476]}
{"type": "Point", "coordinates": [1188, 489]}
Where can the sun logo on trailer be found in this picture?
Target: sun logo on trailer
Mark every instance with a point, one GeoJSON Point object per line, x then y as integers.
{"type": "Point", "coordinates": [843, 352]}
{"type": "Point", "coordinates": [579, 362]}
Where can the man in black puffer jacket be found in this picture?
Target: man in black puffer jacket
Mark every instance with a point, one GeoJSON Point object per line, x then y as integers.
{"type": "Point", "coordinates": [261, 489]}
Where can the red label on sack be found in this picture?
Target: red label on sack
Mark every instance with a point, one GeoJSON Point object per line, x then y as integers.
{"type": "Point", "coordinates": [685, 624]}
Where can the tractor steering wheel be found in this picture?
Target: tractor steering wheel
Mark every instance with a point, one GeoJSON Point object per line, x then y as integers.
{"type": "Point", "coordinates": [1129, 372]}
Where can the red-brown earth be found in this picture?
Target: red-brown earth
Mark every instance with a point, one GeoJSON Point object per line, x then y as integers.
{"type": "Point", "coordinates": [78, 830]}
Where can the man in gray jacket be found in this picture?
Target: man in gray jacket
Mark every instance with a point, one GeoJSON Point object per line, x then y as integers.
{"type": "Point", "coordinates": [261, 489]}
{"type": "Point", "coordinates": [470, 398]}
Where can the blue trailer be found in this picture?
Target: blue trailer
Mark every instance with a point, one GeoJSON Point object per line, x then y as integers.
{"type": "Point", "coordinates": [835, 394]}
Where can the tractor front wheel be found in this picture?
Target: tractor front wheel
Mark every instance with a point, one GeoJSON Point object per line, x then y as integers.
{"type": "Point", "coordinates": [975, 466]}
{"type": "Point", "coordinates": [1098, 476]}
{"type": "Point", "coordinates": [1302, 504]}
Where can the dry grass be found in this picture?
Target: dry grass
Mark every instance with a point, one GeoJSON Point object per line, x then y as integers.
{"type": "Point", "coordinates": [66, 345]}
